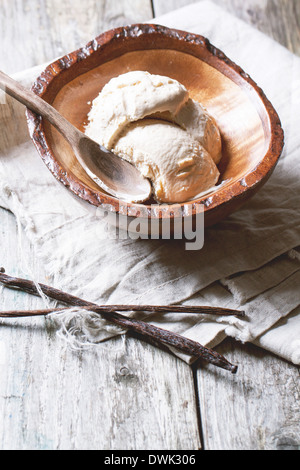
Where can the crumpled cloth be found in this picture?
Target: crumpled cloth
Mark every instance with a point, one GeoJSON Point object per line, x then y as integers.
{"type": "Point", "coordinates": [249, 261]}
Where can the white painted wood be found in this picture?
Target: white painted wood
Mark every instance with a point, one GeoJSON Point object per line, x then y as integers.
{"type": "Point", "coordinates": [258, 409]}
{"type": "Point", "coordinates": [37, 31]}
{"type": "Point", "coordinates": [277, 18]}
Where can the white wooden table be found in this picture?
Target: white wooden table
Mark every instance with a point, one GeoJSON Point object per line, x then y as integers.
{"type": "Point", "coordinates": [127, 394]}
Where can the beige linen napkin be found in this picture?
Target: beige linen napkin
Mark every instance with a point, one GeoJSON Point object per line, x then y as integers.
{"type": "Point", "coordinates": [250, 260]}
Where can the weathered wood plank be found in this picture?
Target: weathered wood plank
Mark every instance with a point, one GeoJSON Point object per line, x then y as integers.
{"type": "Point", "coordinates": [38, 31]}
{"type": "Point", "coordinates": [258, 409]}
{"type": "Point", "coordinates": [277, 18]}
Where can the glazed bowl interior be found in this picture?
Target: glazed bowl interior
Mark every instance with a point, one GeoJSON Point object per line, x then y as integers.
{"type": "Point", "coordinates": [247, 121]}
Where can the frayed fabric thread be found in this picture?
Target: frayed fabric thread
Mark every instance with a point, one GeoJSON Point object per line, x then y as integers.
{"type": "Point", "coordinates": [82, 329]}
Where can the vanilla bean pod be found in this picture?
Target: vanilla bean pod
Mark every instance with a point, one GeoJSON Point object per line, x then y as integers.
{"type": "Point", "coordinates": [175, 340]}
{"type": "Point", "coordinates": [130, 308]}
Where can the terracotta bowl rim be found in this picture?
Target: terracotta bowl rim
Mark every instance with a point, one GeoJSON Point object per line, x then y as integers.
{"type": "Point", "coordinates": [222, 196]}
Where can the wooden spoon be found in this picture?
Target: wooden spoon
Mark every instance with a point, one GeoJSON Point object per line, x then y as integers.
{"type": "Point", "coordinates": [116, 176]}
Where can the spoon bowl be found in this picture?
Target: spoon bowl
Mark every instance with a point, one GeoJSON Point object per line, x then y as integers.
{"type": "Point", "coordinates": [116, 176]}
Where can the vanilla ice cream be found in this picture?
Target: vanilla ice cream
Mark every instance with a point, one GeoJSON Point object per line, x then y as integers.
{"type": "Point", "coordinates": [150, 121]}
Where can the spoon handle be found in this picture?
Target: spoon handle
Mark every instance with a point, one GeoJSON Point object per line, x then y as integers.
{"type": "Point", "coordinates": [36, 104]}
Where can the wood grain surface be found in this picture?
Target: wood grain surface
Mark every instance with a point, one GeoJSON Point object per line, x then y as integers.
{"type": "Point", "coordinates": [127, 394]}
{"type": "Point", "coordinates": [276, 18]}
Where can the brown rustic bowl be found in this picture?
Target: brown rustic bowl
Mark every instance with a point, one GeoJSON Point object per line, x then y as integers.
{"type": "Point", "coordinates": [250, 127]}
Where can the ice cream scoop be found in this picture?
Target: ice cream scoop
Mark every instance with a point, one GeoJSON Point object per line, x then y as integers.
{"type": "Point", "coordinates": [175, 163]}
{"type": "Point", "coordinates": [150, 121]}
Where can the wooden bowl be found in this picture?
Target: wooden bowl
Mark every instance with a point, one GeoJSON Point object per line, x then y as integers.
{"type": "Point", "coordinates": [250, 127]}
